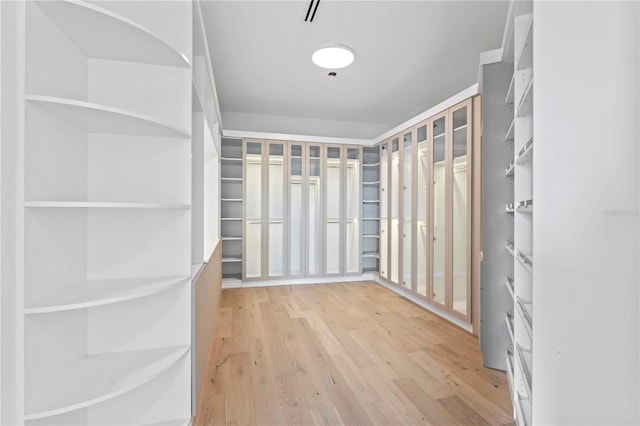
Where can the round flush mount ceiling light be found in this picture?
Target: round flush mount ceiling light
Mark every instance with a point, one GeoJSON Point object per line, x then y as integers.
{"type": "Point", "coordinates": [333, 57]}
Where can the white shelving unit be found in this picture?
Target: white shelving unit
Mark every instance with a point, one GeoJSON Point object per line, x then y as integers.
{"type": "Point", "coordinates": [231, 210]}
{"type": "Point", "coordinates": [106, 213]}
{"type": "Point", "coordinates": [371, 209]}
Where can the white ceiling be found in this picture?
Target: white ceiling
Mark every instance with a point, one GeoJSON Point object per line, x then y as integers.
{"type": "Point", "coordinates": [410, 55]}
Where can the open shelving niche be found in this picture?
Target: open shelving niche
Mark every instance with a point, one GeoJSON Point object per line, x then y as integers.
{"type": "Point", "coordinates": [371, 209]}
{"type": "Point", "coordinates": [231, 210]}
{"type": "Point", "coordinates": [106, 209]}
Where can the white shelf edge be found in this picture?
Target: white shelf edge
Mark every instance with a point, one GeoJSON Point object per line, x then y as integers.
{"type": "Point", "coordinates": [231, 238]}
{"type": "Point", "coordinates": [524, 371]}
{"type": "Point", "coordinates": [231, 219]}
{"type": "Point", "coordinates": [184, 60]}
{"type": "Point", "coordinates": [371, 218]}
{"type": "Point", "coordinates": [462, 127]}
{"type": "Point", "coordinates": [370, 235]}
{"type": "Point", "coordinates": [106, 110]}
{"type": "Point", "coordinates": [510, 288]}
{"type": "Point", "coordinates": [526, 320]}
{"type": "Point", "coordinates": [231, 259]}
{"type": "Point", "coordinates": [102, 205]}
{"type": "Point", "coordinates": [508, 319]}
{"type": "Point", "coordinates": [231, 200]}
{"type": "Point", "coordinates": [370, 201]}
{"type": "Point", "coordinates": [171, 359]}
{"type": "Point", "coordinates": [509, 135]}
{"type": "Point", "coordinates": [149, 289]}
{"type": "Point", "coordinates": [509, 98]}
{"type": "Point", "coordinates": [509, 172]}
{"type": "Point", "coordinates": [370, 164]}
{"type": "Point", "coordinates": [527, 155]}
{"type": "Point", "coordinates": [371, 183]}
{"type": "Point", "coordinates": [526, 99]}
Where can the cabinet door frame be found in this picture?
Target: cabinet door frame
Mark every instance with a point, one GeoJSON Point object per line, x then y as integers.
{"type": "Point", "coordinates": [341, 251]}
{"type": "Point", "coordinates": [321, 213]}
{"type": "Point", "coordinates": [303, 220]}
{"type": "Point", "coordinates": [245, 142]}
{"type": "Point", "coordinates": [386, 239]}
{"type": "Point", "coordinates": [359, 189]}
{"type": "Point", "coordinates": [266, 217]}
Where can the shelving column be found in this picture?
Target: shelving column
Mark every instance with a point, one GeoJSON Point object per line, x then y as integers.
{"type": "Point", "coordinates": [371, 209]}
{"type": "Point", "coordinates": [106, 239]}
{"type": "Point", "coordinates": [231, 209]}
{"type": "Point", "coordinates": [523, 221]}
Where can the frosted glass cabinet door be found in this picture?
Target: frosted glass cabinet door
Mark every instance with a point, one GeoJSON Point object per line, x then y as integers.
{"type": "Point", "coordinates": [253, 210]}
{"type": "Point", "coordinates": [422, 234]}
{"type": "Point", "coordinates": [460, 218]}
{"type": "Point", "coordinates": [438, 212]}
{"type": "Point", "coordinates": [296, 211]}
{"type": "Point", "coordinates": [384, 210]}
{"type": "Point", "coordinates": [333, 210]}
{"type": "Point", "coordinates": [407, 170]}
{"type": "Point", "coordinates": [352, 219]}
{"type": "Point", "coordinates": [396, 198]}
{"type": "Point", "coordinates": [276, 210]}
{"type": "Point", "coordinates": [314, 212]}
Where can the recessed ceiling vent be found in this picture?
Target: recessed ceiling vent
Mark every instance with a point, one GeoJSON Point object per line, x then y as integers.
{"type": "Point", "coordinates": [311, 12]}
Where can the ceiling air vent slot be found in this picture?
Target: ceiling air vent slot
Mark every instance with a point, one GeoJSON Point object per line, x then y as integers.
{"type": "Point", "coordinates": [315, 9]}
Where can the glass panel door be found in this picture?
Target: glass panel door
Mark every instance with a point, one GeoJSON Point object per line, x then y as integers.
{"type": "Point", "coordinates": [422, 199]}
{"type": "Point", "coordinates": [396, 198]}
{"type": "Point", "coordinates": [460, 219]}
{"type": "Point", "coordinates": [352, 214]}
{"type": "Point", "coordinates": [333, 210]}
{"type": "Point", "coordinates": [438, 212]}
{"type": "Point", "coordinates": [296, 212]}
{"type": "Point", "coordinates": [384, 210]}
{"type": "Point", "coordinates": [314, 212]}
{"type": "Point", "coordinates": [276, 210]}
{"type": "Point", "coordinates": [407, 170]}
{"type": "Point", "coordinates": [253, 210]}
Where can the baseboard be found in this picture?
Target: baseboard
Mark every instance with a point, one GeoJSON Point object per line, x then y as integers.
{"type": "Point", "coordinates": [234, 283]}
{"type": "Point", "coordinates": [422, 303]}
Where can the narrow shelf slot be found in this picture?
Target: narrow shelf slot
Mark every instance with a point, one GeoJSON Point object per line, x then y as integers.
{"type": "Point", "coordinates": [526, 153]}
{"type": "Point", "coordinates": [508, 282]}
{"type": "Point", "coordinates": [102, 377]}
{"type": "Point", "coordinates": [525, 315]}
{"type": "Point", "coordinates": [95, 118]}
{"type": "Point", "coordinates": [103, 34]}
{"type": "Point", "coordinates": [524, 361]}
{"type": "Point", "coordinates": [509, 98]}
{"type": "Point", "coordinates": [509, 134]}
{"type": "Point", "coordinates": [525, 107]}
{"type": "Point", "coordinates": [508, 319]}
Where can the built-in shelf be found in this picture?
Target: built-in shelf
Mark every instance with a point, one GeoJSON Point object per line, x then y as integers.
{"type": "Point", "coordinates": [101, 205]}
{"type": "Point", "coordinates": [526, 153]}
{"type": "Point", "coordinates": [508, 361]}
{"type": "Point", "coordinates": [231, 219]}
{"type": "Point", "coordinates": [508, 319]}
{"type": "Point", "coordinates": [524, 361]}
{"type": "Point", "coordinates": [98, 378]}
{"type": "Point", "coordinates": [374, 254]}
{"type": "Point", "coordinates": [525, 314]}
{"type": "Point", "coordinates": [233, 279]}
{"type": "Point", "coordinates": [438, 136]}
{"type": "Point", "coordinates": [96, 118]}
{"type": "Point", "coordinates": [371, 218]}
{"type": "Point", "coordinates": [524, 58]}
{"type": "Point", "coordinates": [525, 107]}
{"type": "Point", "coordinates": [101, 292]}
{"type": "Point", "coordinates": [231, 161]}
{"type": "Point", "coordinates": [231, 179]}
{"type": "Point", "coordinates": [231, 238]}
{"type": "Point", "coordinates": [509, 98]}
{"type": "Point", "coordinates": [509, 170]}
{"type": "Point", "coordinates": [376, 183]}
{"type": "Point", "coordinates": [525, 261]}
{"type": "Point", "coordinates": [509, 247]}
{"type": "Point", "coordinates": [508, 282]}
{"type": "Point", "coordinates": [231, 200]}
{"type": "Point", "coordinates": [370, 201]}
{"type": "Point", "coordinates": [510, 131]}
{"type": "Point", "coordinates": [103, 34]}
{"type": "Point", "coordinates": [370, 164]}
{"type": "Point", "coordinates": [231, 259]}
{"type": "Point", "coordinates": [462, 127]}
{"type": "Point", "coordinates": [371, 236]}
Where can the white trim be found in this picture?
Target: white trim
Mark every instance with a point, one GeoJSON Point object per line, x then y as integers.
{"type": "Point", "coordinates": [420, 302]}
{"type": "Point", "coordinates": [453, 100]}
{"type": "Point", "coordinates": [297, 281]}
{"type": "Point", "coordinates": [491, 57]}
{"type": "Point", "coordinates": [294, 138]}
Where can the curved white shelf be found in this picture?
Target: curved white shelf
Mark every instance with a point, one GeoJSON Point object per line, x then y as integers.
{"type": "Point", "coordinates": [103, 34]}
{"type": "Point", "coordinates": [102, 205]}
{"type": "Point", "coordinates": [102, 377]}
{"type": "Point", "coordinates": [97, 118]}
{"type": "Point", "coordinates": [101, 292]}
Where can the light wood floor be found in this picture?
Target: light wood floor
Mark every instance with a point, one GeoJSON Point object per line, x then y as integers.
{"type": "Point", "coordinates": [352, 353]}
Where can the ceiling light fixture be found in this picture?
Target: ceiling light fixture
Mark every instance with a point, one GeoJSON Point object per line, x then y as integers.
{"type": "Point", "coordinates": [333, 57]}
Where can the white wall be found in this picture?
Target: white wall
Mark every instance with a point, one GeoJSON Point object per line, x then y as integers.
{"type": "Point", "coordinates": [586, 187]}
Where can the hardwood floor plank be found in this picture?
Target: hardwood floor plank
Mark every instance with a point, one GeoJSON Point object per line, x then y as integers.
{"type": "Point", "coordinates": [343, 354]}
